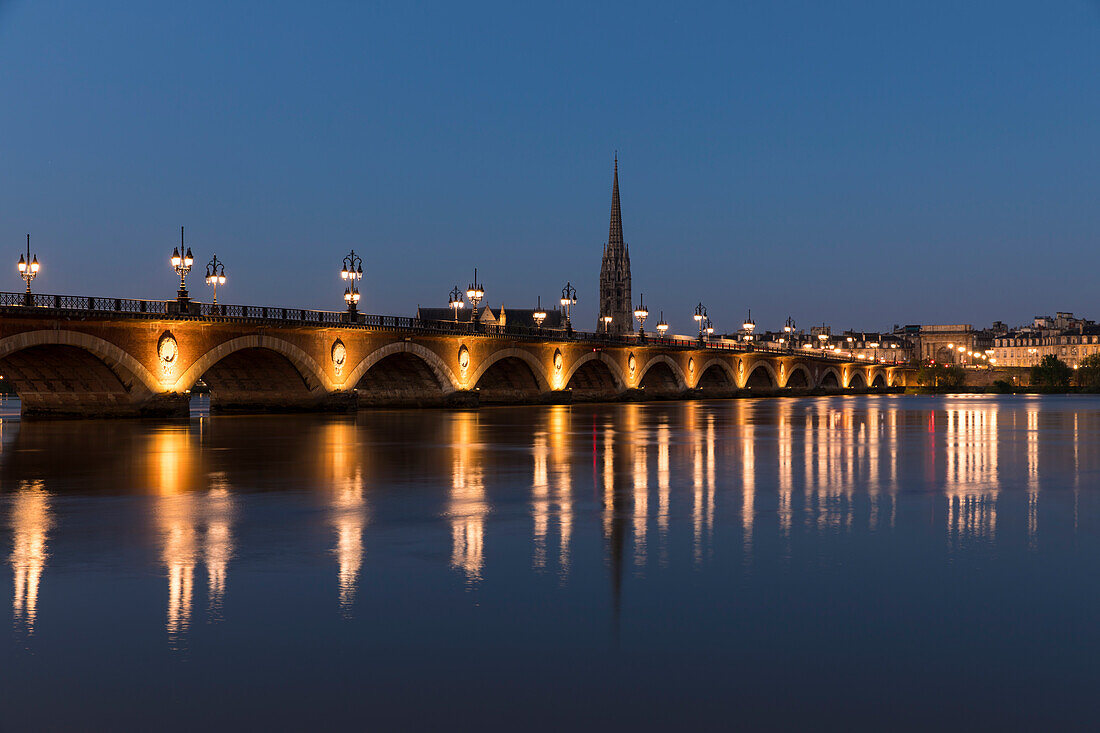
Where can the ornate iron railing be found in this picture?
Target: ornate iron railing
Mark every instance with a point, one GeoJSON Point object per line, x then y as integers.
{"type": "Point", "coordinates": [290, 317]}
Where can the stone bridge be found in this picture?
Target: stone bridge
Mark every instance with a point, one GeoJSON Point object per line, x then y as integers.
{"type": "Point", "coordinates": [76, 356]}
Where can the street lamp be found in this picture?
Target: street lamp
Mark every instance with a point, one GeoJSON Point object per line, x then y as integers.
{"type": "Point", "coordinates": [749, 325]}
{"type": "Point", "coordinates": [710, 329]}
{"type": "Point", "coordinates": [823, 338]}
{"type": "Point", "coordinates": [28, 270]}
{"type": "Point", "coordinates": [641, 313]}
{"type": "Point", "coordinates": [181, 263]}
{"type": "Point", "coordinates": [475, 293]}
{"type": "Point", "coordinates": [352, 272]}
{"type": "Point", "coordinates": [455, 302]}
{"type": "Point", "coordinates": [700, 314]}
{"type": "Point", "coordinates": [874, 352]}
{"type": "Point", "coordinates": [788, 328]}
{"type": "Point", "coordinates": [606, 320]}
{"type": "Point", "coordinates": [662, 327]}
{"type": "Point", "coordinates": [539, 315]}
{"type": "Point", "coordinates": [568, 300]}
{"type": "Point", "coordinates": [215, 275]}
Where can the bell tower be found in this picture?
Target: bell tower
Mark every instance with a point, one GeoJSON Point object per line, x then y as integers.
{"type": "Point", "coordinates": [615, 297]}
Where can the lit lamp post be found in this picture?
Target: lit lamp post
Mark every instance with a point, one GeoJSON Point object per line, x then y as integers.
{"type": "Point", "coordinates": [874, 352]}
{"type": "Point", "coordinates": [568, 300]}
{"type": "Point", "coordinates": [710, 329]}
{"type": "Point", "coordinates": [788, 328]}
{"type": "Point", "coordinates": [893, 350]}
{"type": "Point", "coordinates": [352, 272]}
{"type": "Point", "coordinates": [641, 313]}
{"type": "Point", "coordinates": [662, 327]}
{"type": "Point", "coordinates": [539, 315]}
{"type": "Point", "coordinates": [823, 338]}
{"type": "Point", "coordinates": [749, 325]}
{"type": "Point", "coordinates": [475, 293]}
{"type": "Point", "coordinates": [455, 302]}
{"type": "Point", "coordinates": [700, 314]}
{"type": "Point", "coordinates": [606, 320]}
{"type": "Point", "coordinates": [215, 276]}
{"type": "Point", "coordinates": [182, 259]}
{"type": "Point", "coordinates": [28, 270]}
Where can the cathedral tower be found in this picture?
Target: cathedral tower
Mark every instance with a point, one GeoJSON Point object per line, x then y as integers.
{"type": "Point", "coordinates": [615, 298]}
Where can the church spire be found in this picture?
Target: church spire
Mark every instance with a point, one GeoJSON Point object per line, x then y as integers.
{"type": "Point", "coordinates": [615, 234]}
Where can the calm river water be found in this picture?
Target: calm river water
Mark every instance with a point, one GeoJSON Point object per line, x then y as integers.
{"type": "Point", "coordinates": [877, 563]}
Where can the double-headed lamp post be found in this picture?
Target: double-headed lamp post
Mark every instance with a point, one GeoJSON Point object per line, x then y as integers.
{"type": "Point", "coordinates": [475, 293]}
{"type": "Point", "coordinates": [539, 315]}
{"type": "Point", "coordinates": [749, 325]}
{"type": "Point", "coordinates": [824, 339]}
{"type": "Point", "coordinates": [662, 327]}
{"type": "Point", "coordinates": [455, 302]}
{"type": "Point", "coordinates": [641, 313]}
{"type": "Point", "coordinates": [568, 300]}
{"type": "Point", "coordinates": [215, 275]}
{"type": "Point", "coordinates": [28, 270]}
{"type": "Point", "coordinates": [874, 351]}
{"type": "Point", "coordinates": [700, 314]}
{"type": "Point", "coordinates": [788, 329]}
{"type": "Point", "coordinates": [352, 273]}
{"type": "Point", "coordinates": [182, 259]}
{"type": "Point", "coordinates": [606, 320]}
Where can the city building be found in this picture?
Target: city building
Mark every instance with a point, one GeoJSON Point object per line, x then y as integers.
{"type": "Point", "coordinates": [615, 295]}
{"type": "Point", "coordinates": [1068, 338]}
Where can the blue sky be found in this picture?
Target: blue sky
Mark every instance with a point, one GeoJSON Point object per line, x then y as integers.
{"type": "Point", "coordinates": [858, 163]}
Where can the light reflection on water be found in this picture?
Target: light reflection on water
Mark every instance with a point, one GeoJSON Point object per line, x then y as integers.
{"type": "Point", "coordinates": [680, 529]}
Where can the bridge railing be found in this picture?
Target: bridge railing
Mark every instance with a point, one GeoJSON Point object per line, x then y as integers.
{"type": "Point", "coordinates": [306, 317]}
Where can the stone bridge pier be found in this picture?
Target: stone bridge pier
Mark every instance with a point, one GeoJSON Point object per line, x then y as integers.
{"type": "Point", "coordinates": [93, 363]}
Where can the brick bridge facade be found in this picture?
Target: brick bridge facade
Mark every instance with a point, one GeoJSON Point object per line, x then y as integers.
{"type": "Point", "coordinates": [106, 357]}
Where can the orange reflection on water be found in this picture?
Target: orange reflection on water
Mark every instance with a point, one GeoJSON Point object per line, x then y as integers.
{"type": "Point", "coordinates": [562, 466]}
{"type": "Point", "coordinates": [348, 507]}
{"type": "Point", "coordinates": [30, 524]}
{"type": "Point", "coordinates": [467, 507]}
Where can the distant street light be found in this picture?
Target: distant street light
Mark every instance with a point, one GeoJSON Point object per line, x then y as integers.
{"type": "Point", "coordinates": [606, 320]}
{"type": "Point", "coordinates": [475, 293]}
{"type": "Point", "coordinates": [539, 315]}
{"type": "Point", "coordinates": [28, 270]}
{"type": "Point", "coordinates": [568, 300]}
{"type": "Point", "coordinates": [455, 302]}
{"type": "Point", "coordinates": [788, 328]}
{"type": "Point", "coordinates": [823, 338]}
{"type": "Point", "coordinates": [641, 313]}
{"type": "Point", "coordinates": [749, 325]}
{"type": "Point", "coordinates": [352, 272]}
{"type": "Point", "coordinates": [215, 275]}
{"type": "Point", "coordinates": [700, 314]}
{"type": "Point", "coordinates": [662, 327]}
{"type": "Point", "coordinates": [182, 259]}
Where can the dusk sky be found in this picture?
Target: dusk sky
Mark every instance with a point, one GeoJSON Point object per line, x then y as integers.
{"type": "Point", "coordinates": [857, 163]}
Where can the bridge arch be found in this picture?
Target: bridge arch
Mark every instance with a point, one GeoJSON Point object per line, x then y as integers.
{"type": "Point", "coordinates": [122, 364]}
{"type": "Point", "coordinates": [798, 377]}
{"type": "Point", "coordinates": [712, 372]}
{"type": "Point", "coordinates": [856, 380]}
{"type": "Point", "coordinates": [315, 379]}
{"type": "Point", "coordinates": [443, 373]}
{"type": "Point", "coordinates": [760, 375]}
{"type": "Point", "coordinates": [679, 379]}
{"type": "Point", "coordinates": [830, 378]}
{"type": "Point", "coordinates": [508, 369]}
{"type": "Point", "coordinates": [601, 358]}
{"type": "Point", "coordinates": [879, 380]}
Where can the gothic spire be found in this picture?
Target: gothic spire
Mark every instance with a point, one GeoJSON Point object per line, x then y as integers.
{"type": "Point", "coordinates": [615, 234]}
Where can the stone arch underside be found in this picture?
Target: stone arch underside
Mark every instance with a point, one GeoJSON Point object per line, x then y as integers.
{"type": "Point", "coordinates": [830, 379]}
{"type": "Point", "coordinates": [257, 378]}
{"type": "Point", "coordinates": [760, 378]}
{"type": "Point", "coordinates": [716, 379]}
{"type": "Point", "coordinates": [660, 381]}
{"type": "Point", "coordinates": [856, 381]}
{"type": "Point", "coordinates": [879, 380]}
{"type": "Point", "coordinates": [508, 380]}
{"type": "Point", "coordinates": [53, 379]}
{"type": "Point", "coordinates": [593, 380]}
{"type": "Point", "coordinates": [798, 378]}
{"type": "Point", "coordinates": [401, 378]}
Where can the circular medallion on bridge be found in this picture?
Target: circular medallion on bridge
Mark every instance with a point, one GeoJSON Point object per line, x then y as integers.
{"type": "Point", "coordinates": [782, 368]}
{"type": "Point", "coordinates": [167, 349]}
{"type": "Point", "coordinates": [558, 360]}
{"type": "Point", "coordinates": [740, 366]}
{"type": "Point", "coordinates": [631, 364]}
{"type": "Point", "coordinates": [463, 357]}
{"type": "Point", "coordinates": [339, 356]}
{"type": "Point", "coordinates": [691, 366]}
